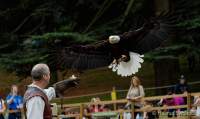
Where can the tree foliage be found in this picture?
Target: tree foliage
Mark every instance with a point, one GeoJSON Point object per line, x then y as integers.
{"type": "Point", "coordinates": [30, 29]}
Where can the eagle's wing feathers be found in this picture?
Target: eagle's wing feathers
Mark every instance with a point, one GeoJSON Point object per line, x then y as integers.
{"type": "Point", "coordinates": [84, 56]}
{"type": "Point", "coordinates": [132, 43]}
{"type": "Point", "coordinates": [148, 37]}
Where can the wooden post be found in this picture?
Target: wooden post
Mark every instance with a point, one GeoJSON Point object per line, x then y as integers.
{"type": "Point", "coordinates": [133, 110]}
{"type": "Point", "coordinates": [121, 115]}
{"type": "Point", "coordinates": [81, 111]}
{"type": "Point", "coordinates": [114, 97]}
{"type": "Point", "coordinates": [61, 102]}
{"type": "Point", "coordinates": [188, 105]}
{"type": "Point", "coordinates": [115, 106]}
{"type": "Point", "coordinates": [161, 6]}
{"type": "Point", "coordinates": [59, 75]}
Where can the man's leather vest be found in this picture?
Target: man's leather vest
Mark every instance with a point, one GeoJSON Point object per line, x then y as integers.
{"type": "Point", "coordinates": [34, 91]}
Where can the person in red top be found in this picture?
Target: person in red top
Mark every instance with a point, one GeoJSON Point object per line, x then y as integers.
{"type": "Point", "coordinates": [95, 107]}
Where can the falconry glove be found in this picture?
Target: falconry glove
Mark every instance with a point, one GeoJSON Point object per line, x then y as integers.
{"type": "Point", "coordinates": [63, 85]}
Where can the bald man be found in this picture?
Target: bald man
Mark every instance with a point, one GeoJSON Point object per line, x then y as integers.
{"type": "Point", "coordinates": [37, 98]}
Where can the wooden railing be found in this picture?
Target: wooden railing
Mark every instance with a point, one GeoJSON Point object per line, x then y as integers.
{"type": "Point", "coordinates": [80, 107]}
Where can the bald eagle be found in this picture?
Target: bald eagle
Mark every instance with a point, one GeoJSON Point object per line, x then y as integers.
{"type": "Point", "coordinates": [122, 53]}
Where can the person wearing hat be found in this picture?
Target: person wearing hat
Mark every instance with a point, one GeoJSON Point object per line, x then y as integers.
{"type": "Point", "coordinates": [182, 86]}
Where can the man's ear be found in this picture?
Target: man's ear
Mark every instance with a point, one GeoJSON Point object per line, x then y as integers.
{"type": "Point", "coordinates": [44, 77]}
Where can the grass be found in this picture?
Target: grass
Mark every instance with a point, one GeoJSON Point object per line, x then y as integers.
{"type": "Point", "coordinates": [102, 79]}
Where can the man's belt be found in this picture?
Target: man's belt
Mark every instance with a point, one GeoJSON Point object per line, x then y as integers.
{"type": "Point", "coordinates": [14, 111]}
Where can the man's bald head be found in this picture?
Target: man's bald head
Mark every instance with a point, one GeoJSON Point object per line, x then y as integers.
{"type": "Point", "coordinates": [39, 70]}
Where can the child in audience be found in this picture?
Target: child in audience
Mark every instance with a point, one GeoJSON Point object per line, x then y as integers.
{"type": "Point", "coordinates": [148, 113]}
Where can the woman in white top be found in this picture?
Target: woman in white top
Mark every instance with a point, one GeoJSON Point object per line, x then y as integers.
{"type": "Point", "coordinates": [135, 93]}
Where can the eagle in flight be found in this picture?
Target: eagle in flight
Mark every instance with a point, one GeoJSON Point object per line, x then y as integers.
{"type": "Point", "coordinates": [122, 53]}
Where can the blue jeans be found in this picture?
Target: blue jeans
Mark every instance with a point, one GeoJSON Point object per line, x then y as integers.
{"type": "Point", "coordinates": [172, 113]}
{"type": "Point", "coordinates": [16, 115]}
{"type": "Point", "coordinates": [1, 116]}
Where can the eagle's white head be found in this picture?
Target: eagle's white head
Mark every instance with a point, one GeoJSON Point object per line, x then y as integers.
{"type": "Point", "coordinates": [114, 39]}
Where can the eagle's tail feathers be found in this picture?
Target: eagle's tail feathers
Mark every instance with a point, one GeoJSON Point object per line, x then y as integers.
{"type": "Point", "coordinates": [128, 68]}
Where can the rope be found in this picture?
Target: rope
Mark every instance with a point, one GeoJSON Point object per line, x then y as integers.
{"type": "Point", "coordinates": [162, 87]}
{"type": "Point", "coordinates": [86, 95]}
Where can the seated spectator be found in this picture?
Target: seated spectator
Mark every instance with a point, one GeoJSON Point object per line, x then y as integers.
{"type": "Point", "coordinates": [92, 108]}
{"type": "Point", "coordinates": [148, 113]}
{"type": "Point", "coordinates": [71, 112]}
{"type": "Point", "coordinates": [2, 108]}
{"type": "Point", "coordinates": [95, 107]}
{"type": "Point", "coordinates": [106, 109]}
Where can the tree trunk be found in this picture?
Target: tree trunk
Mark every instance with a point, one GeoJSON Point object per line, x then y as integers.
{"type": "Point", "coordinates": [59, 75]}
{"type": "Point", "coordinates": [166, 72]}
{"type": "Point", "coordinates": [161, 6]}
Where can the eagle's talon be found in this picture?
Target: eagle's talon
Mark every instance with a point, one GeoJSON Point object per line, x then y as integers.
{"type": "Point", "coordinates": [123, 58]}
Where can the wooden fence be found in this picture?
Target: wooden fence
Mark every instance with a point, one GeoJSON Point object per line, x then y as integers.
{"type": "Point", "coordinates": [79, 112]}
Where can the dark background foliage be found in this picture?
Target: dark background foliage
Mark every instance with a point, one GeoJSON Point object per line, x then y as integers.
{"type": "Point", "coordinates": [29, 28]}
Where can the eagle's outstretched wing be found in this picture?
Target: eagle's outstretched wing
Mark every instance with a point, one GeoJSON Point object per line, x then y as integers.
{"type": "Point", "coordinates": [82, 56]}
{"type": "Point", "coordinates": [150, 36]}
